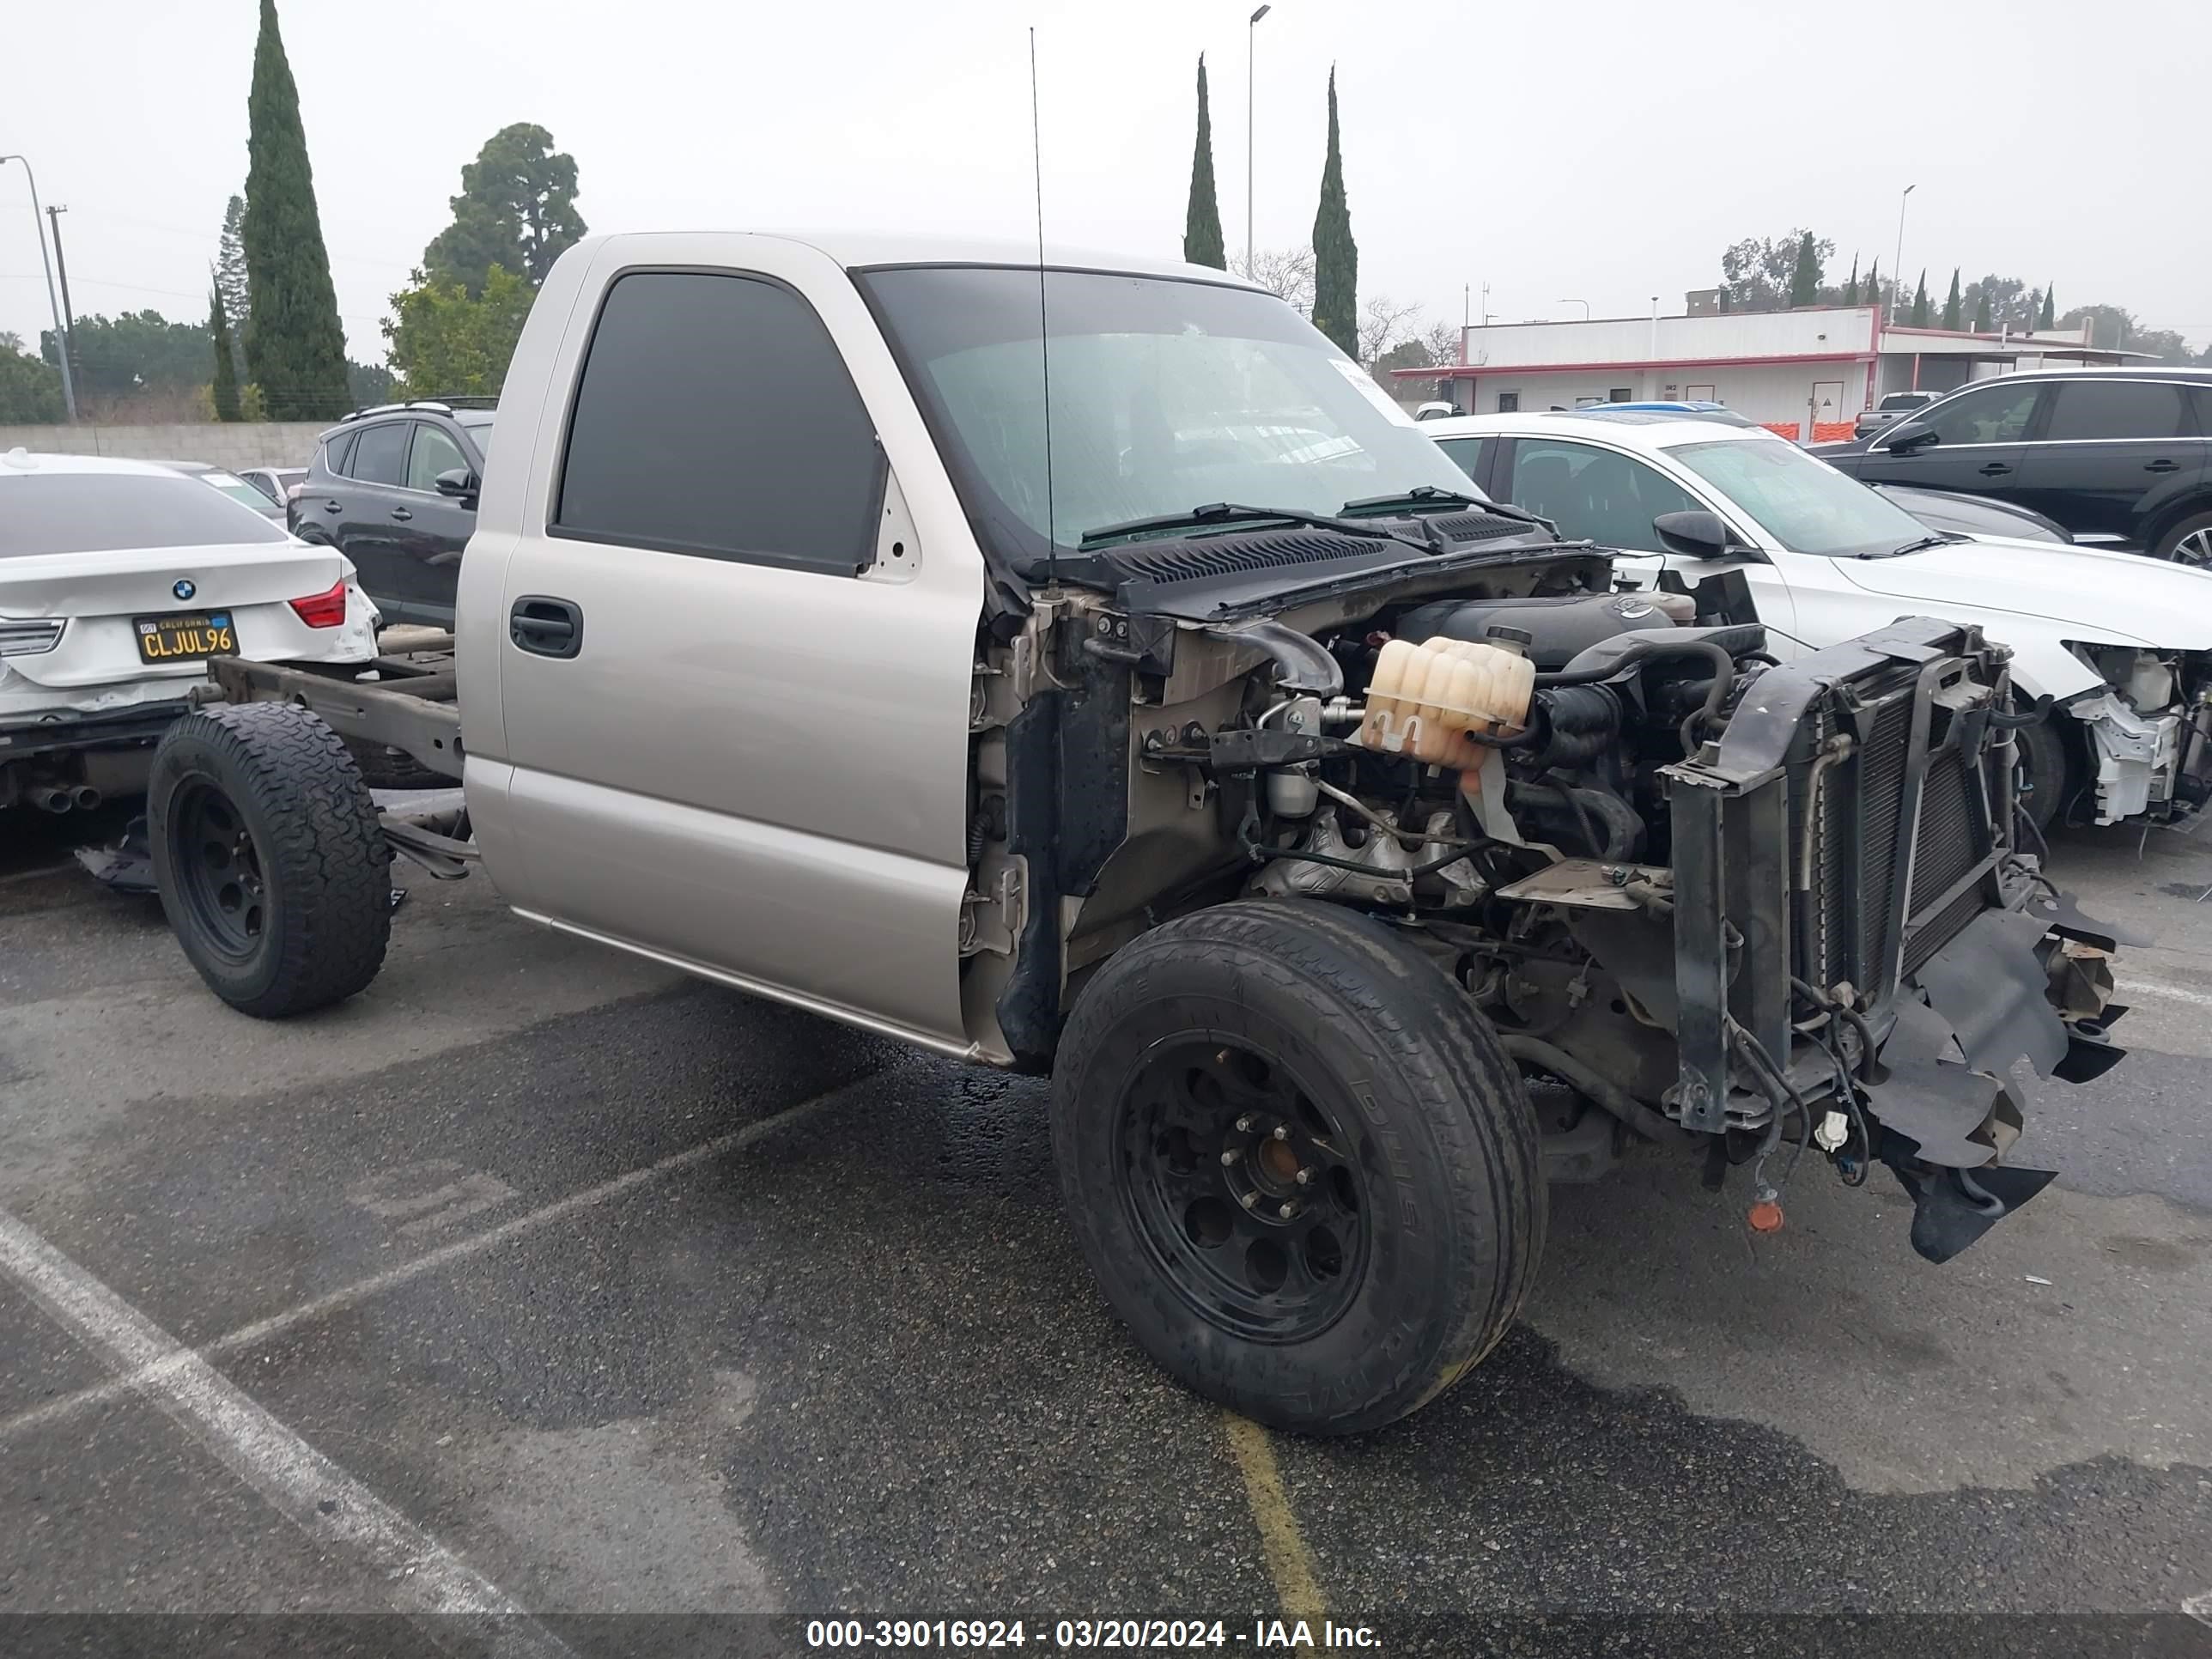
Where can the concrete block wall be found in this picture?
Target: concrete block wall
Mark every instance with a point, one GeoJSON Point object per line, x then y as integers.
{"type": "Point", "coordinates": [232, 444]}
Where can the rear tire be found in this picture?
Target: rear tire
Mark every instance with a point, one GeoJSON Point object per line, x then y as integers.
{"type": "Point", "coordinates": [272, 868]}
{"type": "Point", "coordinates": [2187, 542]}
{"type": "Point", "coordinates": [1302, 1057]}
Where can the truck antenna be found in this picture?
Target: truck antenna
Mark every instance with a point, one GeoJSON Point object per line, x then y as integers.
{"type": "Point", "coordinates": [1044, 340]}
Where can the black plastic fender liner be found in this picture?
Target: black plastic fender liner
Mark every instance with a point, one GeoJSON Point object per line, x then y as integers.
{"type": "Point", "coordinates": [1948, 1217]}
{"type": "Point", "coordinates": [1990, 987]}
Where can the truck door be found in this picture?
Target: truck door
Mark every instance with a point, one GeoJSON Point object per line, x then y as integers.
{"type": "Point", "coordinates": [734, 678]}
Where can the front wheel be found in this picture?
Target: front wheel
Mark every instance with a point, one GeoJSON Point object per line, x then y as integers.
{"type": "Point", "coordinates": [2046, 773]}
{"type": "Point", "coordinates": [271, 867]}
{"type": "Point", "coordinates": [1300, 1166]}
{"type": "Point", "coordinates": [2187, 542]}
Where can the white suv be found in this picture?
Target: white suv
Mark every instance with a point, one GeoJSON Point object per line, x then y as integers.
{"type": "Point", "coordinates": [118, 580]}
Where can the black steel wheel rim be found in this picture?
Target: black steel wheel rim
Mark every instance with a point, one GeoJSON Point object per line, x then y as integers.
{"type": "Point", "coordinates": [218, 869]}
{"type": "Point", "coordinates": [1244, 1187]}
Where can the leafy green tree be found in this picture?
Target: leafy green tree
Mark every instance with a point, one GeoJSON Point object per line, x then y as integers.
{"type": "Point", "coordinates": [2010, 303]}
{"type": "Point", "coordinates": [2044, 320]}
{"type": "Point", "coordinates": [370, 384]}
{"type": "Point", "coordinates": [1805, 273]}
{"type": "Point", "coordinates": [133, 352]}
{"type": "Point", "coordinates": [1982, 323]}
{"type": "Point", "coordinates": [1951, 313]}
{"type": "Point", "coordinates": [30, 390]}
{"type": "Point", "coordinates": [1201, 222]}
{"type": "Point", "coordinates": [1851, 287]}
{"type": "Point", "coordinates": [517, 209]}
{"type": "Point", "coordinates": [295, 346]}
{"type": "Point", "coordinates": [230, 279]}
{"type": "Point", "coordinates": [1920, 301]}
{"type": "Point", "coordinates": [223, 389]}
{"type": "Point", "coordinates": [1758, 275]}
{"type": "Point", "coordinates": [1336, 256]}
{"type": "Point", "coordinates": [446, 342]}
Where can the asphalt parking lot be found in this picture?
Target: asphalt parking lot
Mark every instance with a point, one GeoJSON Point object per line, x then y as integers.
{"type": "Point", "coordinates": [537, 1293]}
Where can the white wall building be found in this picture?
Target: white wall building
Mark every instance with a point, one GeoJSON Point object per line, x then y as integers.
{"type": "Point", "coordinates": [1818, 367]}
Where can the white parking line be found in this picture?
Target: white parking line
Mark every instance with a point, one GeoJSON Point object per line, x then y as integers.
{"type": "Point", "coordinates": [261, 1330]}
{"type": "Point", "coordinates": [2140, 988]}
{"type": "Point", "coordinates": [423, 1578]}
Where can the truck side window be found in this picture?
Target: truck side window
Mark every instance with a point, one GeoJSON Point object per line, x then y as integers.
{"type": "Point", "coordinates": [715, 416]}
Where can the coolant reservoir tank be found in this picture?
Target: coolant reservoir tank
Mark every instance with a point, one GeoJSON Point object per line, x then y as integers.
{"type": "Point", "coordinates": [1422, 699]}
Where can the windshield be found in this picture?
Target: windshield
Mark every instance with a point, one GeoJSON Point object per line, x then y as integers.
{"type": "Point", "coordinates": [1802, 503]}
{"type": "Point", "coordinates": [93, 511]}
{"type": "Point", "coordinates": [1166, 395]}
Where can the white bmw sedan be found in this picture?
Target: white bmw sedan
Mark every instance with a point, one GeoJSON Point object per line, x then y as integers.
{"type": "Point", "coordinates": [118, 580]}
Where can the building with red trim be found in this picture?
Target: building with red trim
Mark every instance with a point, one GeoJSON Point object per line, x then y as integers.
{"type": "Point", "coordinates": [1818, 367]}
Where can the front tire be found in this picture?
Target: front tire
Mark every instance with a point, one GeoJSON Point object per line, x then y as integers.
{"type": "Point", "coordinates": [271, 867]}
{"type": "Point", "coordinates": [1305, 1172]}
{"type": "Point", "coordinates": [2046, 772]}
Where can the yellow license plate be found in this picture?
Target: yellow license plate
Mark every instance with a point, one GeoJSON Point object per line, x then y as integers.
{"type": "Point", "coordinates": [181, 639]}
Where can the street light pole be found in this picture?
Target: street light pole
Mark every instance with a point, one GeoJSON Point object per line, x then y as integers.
{"type": "Point", "coordinates": [53, 303]}
{"type": "Point", "coordinates": [1896, 265]}
{"type": "Point", "coordinates": [61, 265]}
{"type": "Point", "coordinates": [1251, 39]}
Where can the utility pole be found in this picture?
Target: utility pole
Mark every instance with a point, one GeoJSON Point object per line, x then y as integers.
{"type": "Point", "coordinates": [61, 265]}
{"type": "Point", "coordinates": [53, 304]}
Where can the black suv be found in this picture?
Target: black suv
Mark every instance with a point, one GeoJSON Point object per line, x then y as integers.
{"type": "Point", "coordinates": [394, 488]}
{"type": "Point", "coordinates": [2116, 454]}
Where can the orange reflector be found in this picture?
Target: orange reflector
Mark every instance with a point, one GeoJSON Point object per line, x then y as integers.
{"type": "Point", "coordinates": [1765, 1217]}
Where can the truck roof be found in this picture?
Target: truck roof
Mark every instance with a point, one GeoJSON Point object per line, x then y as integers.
{"type": "Point", "coordinates": [861, 250]}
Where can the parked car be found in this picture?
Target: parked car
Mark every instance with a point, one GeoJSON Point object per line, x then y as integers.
{"type": "Point", "coordinates": [118, 580]}
{"type": "Point", "coordinates": [1240, 820]}
{"type": "Point", "coordinates": [276, 482]}
{"type": "Point", "coordinates": [2118, 454]}
{"type": "Point", "coordinates": [2123, 647]}
{"type": "Point", "coordinates": [1973, 515]}
{"type": "Point", "coordinates": [230, 484]}
{"type": "Point", "coordinates": [1891, 406]}
{"type": "Point", "coordinates": [394, 488]}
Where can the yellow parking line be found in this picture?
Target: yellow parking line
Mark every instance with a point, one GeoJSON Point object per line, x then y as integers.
{"type": "Point", "coordinates": [1289, 1561]}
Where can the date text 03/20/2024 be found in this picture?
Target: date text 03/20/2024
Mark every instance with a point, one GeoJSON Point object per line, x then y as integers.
{"type": "Point", "coordinates": [1267, 1635]}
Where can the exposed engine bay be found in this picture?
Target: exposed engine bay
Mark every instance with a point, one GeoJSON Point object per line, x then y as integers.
{"type": "Point", "coordinates": [1745, 908]}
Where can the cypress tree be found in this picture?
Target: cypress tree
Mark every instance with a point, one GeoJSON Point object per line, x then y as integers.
{"type": "Point", "coordinates": [1805, 281]}
{"type": "Point", "coordinates": [1336, 256]}
{"type": "Point", "coordinates": [1202, 223]}
{"type": "Point", "coordinates": [1920, 301]}
{"type": "Point", "coordinates": [1982, 311]}
{"type": "Point", "coordinates": [2049, 317]}
{"type": "Point", "coordinates": [1873, 296]}
{"type": "Point", "coordinates": [294, 347]}
{"type": "Point", "coordinates": [1851, 287]}
{"type": "Point", "coordinates": [224, 387]}
{"type": "Point", "coordinates": [1951, 311]}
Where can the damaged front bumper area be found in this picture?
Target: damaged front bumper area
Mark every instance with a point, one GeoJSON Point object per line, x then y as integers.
{"type": "Point", "coordinates": [1854, 822]}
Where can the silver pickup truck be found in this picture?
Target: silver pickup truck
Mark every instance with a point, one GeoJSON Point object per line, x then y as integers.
{"type": "Point", "coordinates": [1081, 666]}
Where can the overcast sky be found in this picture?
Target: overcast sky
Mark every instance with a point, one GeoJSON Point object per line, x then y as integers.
{"type": "Point", "coordinates": [1603, 150]}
